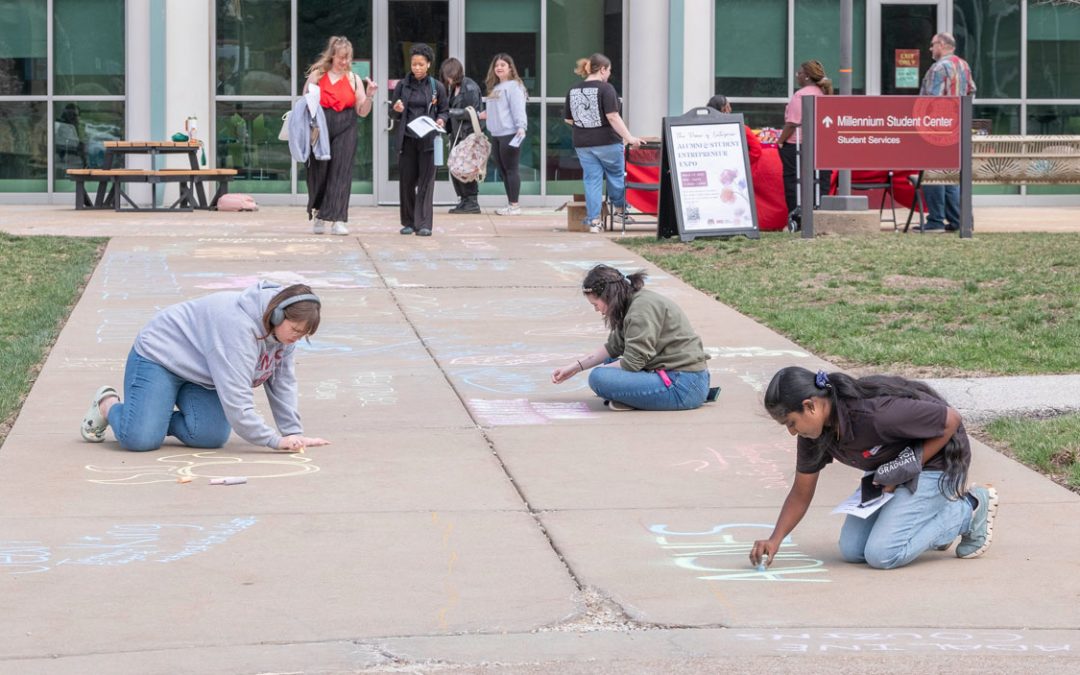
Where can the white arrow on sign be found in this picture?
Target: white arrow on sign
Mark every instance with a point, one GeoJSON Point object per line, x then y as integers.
{"type": "Point", "coordinates": [826, 122]}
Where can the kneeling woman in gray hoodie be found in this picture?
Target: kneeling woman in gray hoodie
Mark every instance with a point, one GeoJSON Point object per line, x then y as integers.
{"type": "Point", "coordinates": [193, 367]}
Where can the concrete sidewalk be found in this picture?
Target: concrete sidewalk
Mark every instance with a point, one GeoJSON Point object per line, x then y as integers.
{"type": "Point", "coordinates": [469, 515]}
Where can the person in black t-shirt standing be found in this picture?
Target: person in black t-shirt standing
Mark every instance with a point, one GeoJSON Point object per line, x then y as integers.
{"type": "Point", "coordinates": [910, 443]}
{"type": "Point", "coordinates": [592, 109]}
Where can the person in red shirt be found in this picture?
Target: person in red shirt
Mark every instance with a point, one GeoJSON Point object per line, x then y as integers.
{"type": "Point", "coordinates": [342, 96]}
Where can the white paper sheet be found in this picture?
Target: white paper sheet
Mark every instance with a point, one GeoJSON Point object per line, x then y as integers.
{"type": "Point", "coordinates": [852, 507]}
{"type": "Point", "coordinates": [422, 126]}
{"type": "Point", "coordinates": [516, 141]}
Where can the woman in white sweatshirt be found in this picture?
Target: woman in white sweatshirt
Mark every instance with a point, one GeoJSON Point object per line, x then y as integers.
{"type": "Point", "coordinates": [193, 368]}
{"type": "Point", "coordinates": [506, 122]}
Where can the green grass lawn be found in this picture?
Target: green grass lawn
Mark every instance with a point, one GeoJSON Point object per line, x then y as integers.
{"type": "Point", "coordinates": [1002, 304]}
{"type": "Point", "coordinates": [920, 306]}
{"type": "Point", "coordinates": [43, 277]}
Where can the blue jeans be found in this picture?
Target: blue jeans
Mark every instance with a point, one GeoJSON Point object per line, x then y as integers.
{"type": "Point", "coordinates": [645, 390]}
{"type": "Point", "coordinates": [146, 415]}
{"type": "Point", "coordinates": [942, 204]}
{"type": "Point", "coordinates": [905, 527]}
{"type": "Point", "coordinates": [597, 163]}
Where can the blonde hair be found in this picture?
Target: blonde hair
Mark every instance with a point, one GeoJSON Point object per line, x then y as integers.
{"type": "Point", "coordinates": [323, 64]}
{"type": "Point", "coordinates": [593, 64]}
{"type": "Point", "coordinates": [492, 80]}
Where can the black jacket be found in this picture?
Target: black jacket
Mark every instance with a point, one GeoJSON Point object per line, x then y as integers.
{"type": "Point", "coordinates": [417, 98]}
{"type": "Point", "coordinates": [468, 95]}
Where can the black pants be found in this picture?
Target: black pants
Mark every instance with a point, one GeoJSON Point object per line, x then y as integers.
{"type": "Point", "coordinates": [507, 159]}
{"type": "Point", "coordinates": [330, 182]}
{"type": "Point", "coordinates": [416, 192]}
{"type": "Point", "coordinates": [789, 159]}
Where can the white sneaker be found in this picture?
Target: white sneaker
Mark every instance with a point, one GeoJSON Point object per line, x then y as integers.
{"type": "Point", "coordinates": [319, 227]}
{"type": "Point", "coordinates": [339, 229]}
{"type": "Point", "coordinates": [596, 227]}
{"type": "Point", "coordinates": [509, 211]}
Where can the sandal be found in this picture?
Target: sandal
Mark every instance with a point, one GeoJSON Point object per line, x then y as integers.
{"type": "Point", "coordinates": [93, 424]}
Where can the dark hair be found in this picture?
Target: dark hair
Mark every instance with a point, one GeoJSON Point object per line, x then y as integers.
{"type": "Point", "coordinates": [305, 312]}
{"type": "Point", "coordinates": [615, 289]}
{"type": "Point", "coordinates": [717, 102]}
{"type": "Point", "coordinates": [451, 72]}
{"type": "Point", "coordinates": [586, 67]}
{"type": "Point", "coordinates": [422, 49]}
{"type": "Point", "coordinates": [492, 80]}
{"type": "Point", "coordinates": [791, 386]}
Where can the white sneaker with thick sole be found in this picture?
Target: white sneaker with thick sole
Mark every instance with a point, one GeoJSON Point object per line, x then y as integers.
{"type": "Point", "coordinates": [94, 424]}
{"type": "Point", "coordinates": [596, 227]}
{"type": "Point", "coordinates": [339, 229]}
{"type": "Point", "coordinates": [509, 211]}
{"type": "Point", "coordinates": [318, 227]}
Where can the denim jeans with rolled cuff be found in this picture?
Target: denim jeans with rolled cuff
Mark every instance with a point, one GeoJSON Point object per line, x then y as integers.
{"type": "Point", "coordinates": [158, 403]}
{"type": "Point", "coordinates": [646, 389]}
{"type": "Point", "coordinates": [601, 162]}
{"type": "Point", "coordinates": [906, 527]}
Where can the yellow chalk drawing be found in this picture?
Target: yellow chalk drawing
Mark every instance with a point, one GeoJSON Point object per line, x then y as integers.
{"type": "Point", "coordinates": [204, 465]}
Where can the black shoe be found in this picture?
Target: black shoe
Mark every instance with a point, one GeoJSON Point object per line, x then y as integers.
{"type": "Point", "coordinates": [457, 207]}
{"type": "Point", "coordinates": [423, 232]}
{"type": "Point", "coordinates": [469, 205]}
{"type": "Point", "coordinates": [949, 227]}
{"type": "Point", "coordinates": [406, 230]}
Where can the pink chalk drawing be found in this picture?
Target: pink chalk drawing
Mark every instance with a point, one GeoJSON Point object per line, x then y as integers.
{"type": "Point", "coordinates": [520, 411]}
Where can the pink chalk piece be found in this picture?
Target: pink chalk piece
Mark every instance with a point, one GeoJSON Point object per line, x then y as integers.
{"type": "Point", "coordinates": [229, 480]}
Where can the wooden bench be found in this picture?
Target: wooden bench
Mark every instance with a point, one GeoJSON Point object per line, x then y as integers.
{"type": "Point", "coordinates": [111, 193]}
{"type": "Point", "coordinates": [1008, 160]}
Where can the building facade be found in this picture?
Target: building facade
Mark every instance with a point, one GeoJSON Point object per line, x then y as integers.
{"type": "Point", "coordinates": [77, 73]}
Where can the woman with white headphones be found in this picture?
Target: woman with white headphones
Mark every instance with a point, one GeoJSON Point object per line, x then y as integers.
{"type": "Point", "coordinates": [193, 368]}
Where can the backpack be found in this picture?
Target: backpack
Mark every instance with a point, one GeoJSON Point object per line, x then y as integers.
{"type": "Point", "coordinates": [469, 156]}
{"type": "Point", "coordinates": [237, 202]}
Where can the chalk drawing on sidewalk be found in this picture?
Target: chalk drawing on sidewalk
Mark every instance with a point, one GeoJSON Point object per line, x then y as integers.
{"type": "Point", "coordinates": [752, 353]}
{"type": "Point", "coordinates": [122, 544]}
{"type": "Point", "coordinates": [593, 329]}
{"type": "Point", "coordinates": [365, 389]}
{"type": "Point", "coordinates": [722, 553]}
{"type": "Point", "coordinates": [138, 273]}
{"type": "Point", "coordinates": [521, 411]}
{"type": "Point", "coordinates": [207, 464]}
{"type": "Point", "coordinates": [258, 249]}
{"type": "Point", "coordinates": [523, 359]}
{"type": "Point", "coordinates": [317, 279]}
{"type": "Point", "coordinates": [486, 310]}
{"type": "Point", "coordinates": [891, 640]}
{"type": "Point", "coordinates": [513, 381]}
{"type": "Point", "coordinates": [749, 461]}
{"type": "Point", "coordinates": [121, 326]}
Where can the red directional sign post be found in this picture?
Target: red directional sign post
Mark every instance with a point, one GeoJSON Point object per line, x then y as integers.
{"type": "Point", "coordinates": [887, 132]}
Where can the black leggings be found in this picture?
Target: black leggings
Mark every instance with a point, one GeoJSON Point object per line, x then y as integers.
{"type": "Point", "coordinates": [507, 158]}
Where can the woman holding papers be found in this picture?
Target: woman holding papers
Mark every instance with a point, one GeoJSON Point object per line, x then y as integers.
{"type": "Point", "coordinates": [421, 109]}
{"type": "Point", "coordinates": [506, 122]}
{"type": "Point", "coordinates": [914, 451]}
{"type": "Point", "coordinates": [342, 97]}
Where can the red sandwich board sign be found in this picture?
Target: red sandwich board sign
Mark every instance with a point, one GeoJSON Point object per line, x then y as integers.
{"type": "Point", "coordinates": [887, 132]}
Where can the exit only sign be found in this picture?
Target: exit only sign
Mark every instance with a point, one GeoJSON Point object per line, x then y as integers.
{"type": "Point", "coordinates": [887, 132]}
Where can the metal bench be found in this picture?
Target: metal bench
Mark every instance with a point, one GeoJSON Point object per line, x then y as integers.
{"type": "Point", "coordinates": [1008, 160]}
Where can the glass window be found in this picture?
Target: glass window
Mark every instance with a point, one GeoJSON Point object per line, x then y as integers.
{"type": "Point", "coordinates": [988, 37]}
{"type": "Point", "coordinates": [80, 129]}
{"type": "Point", "coordinates": [1053, 50]}
{"type": "Point", "coordinates": [88, 45]}
{"type": "Point", "coordinates": [247, 141]}
{"type": "Point", "coordinates": [23, 46]}
{"type": "Point", "coordinates": [1053, 120]}
{"type": "Point", "coordinates": [529, 164]}
{"type": "Point", "coordinates": [252, 49]}
{"type": "Point", "coordinates": [751, 47]}
{"type": "Point", "coordinates": [503, 26]}
{"type": "Point", "coordinates": [817, 36]}
{"type": "Point", "coordinates": [562, 167]}
{"type": "Point", "coordinates": [577, 29]}
{"type": "Point", "coordinates": [759, 115]}
{"type": "Point", "coordinates": [23, 146]}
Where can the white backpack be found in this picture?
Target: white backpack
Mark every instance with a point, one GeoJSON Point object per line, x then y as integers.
{"type": "Point", "coordinates": [469, 157]}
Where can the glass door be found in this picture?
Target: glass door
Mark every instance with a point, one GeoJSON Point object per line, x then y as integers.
{"type": "Point", "coordinates": [399, 25]}
{"type": "Point", "coordinates": [902, 30]}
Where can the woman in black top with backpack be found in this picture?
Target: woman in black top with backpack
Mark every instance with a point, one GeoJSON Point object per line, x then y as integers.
{"type": "Point", "coordinates": [415, 96]}
{"type": "Point", "coordinates": [463, 93]}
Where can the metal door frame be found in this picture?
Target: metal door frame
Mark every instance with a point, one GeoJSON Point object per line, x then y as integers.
{"type": "Point", "coordinates": [873, 35]}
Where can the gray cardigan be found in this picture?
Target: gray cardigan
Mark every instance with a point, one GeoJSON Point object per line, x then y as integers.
{"type": "Point", "coordinates": [300, 124]}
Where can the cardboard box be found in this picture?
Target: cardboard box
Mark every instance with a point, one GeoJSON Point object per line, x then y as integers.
{"type": "Point", "coordinates": [575, 214]}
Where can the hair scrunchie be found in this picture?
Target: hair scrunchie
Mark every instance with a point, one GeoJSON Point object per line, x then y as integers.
{"type": "Point", "coordinates": [821, 380]}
